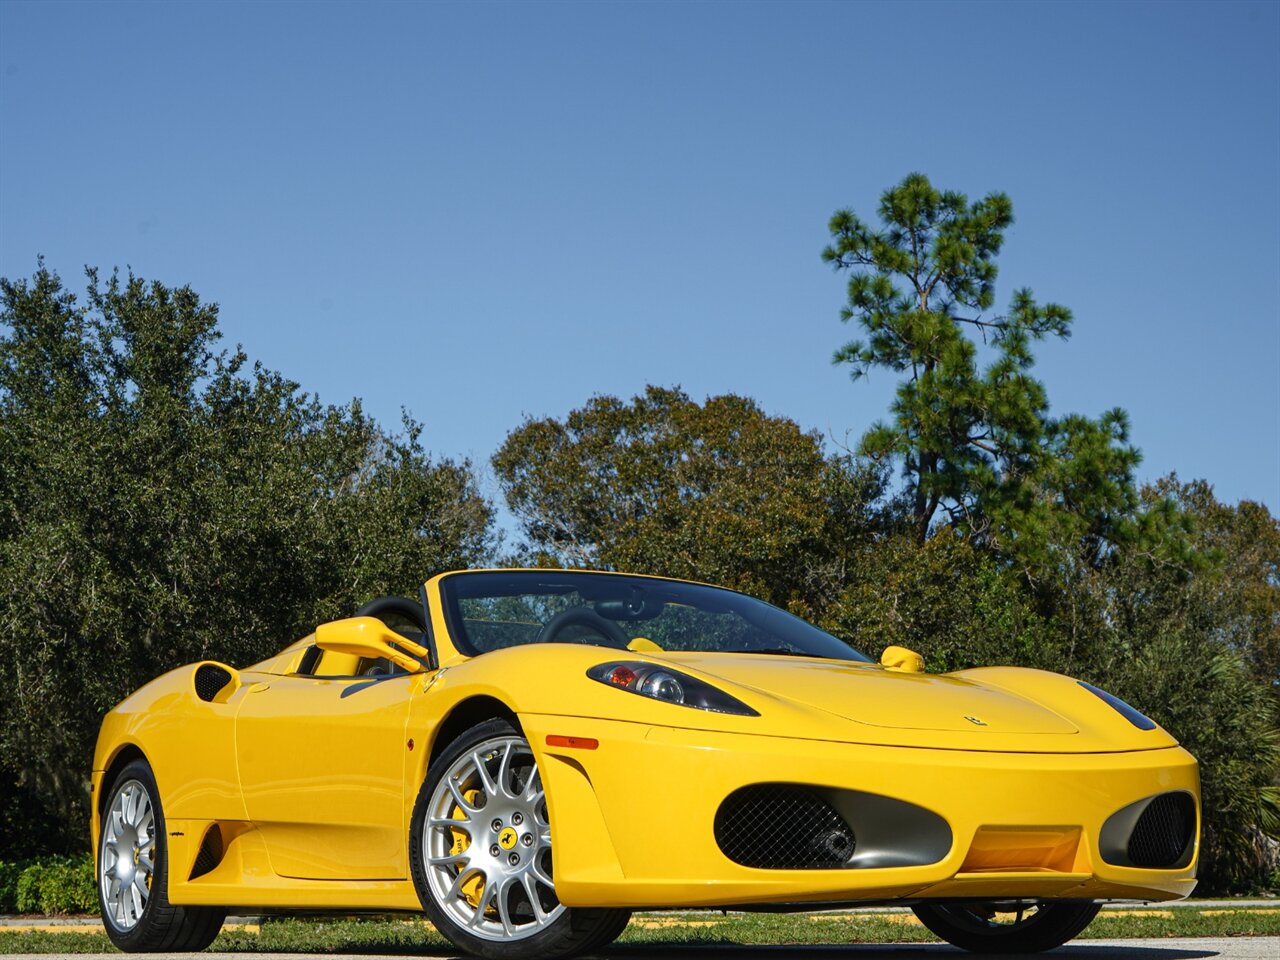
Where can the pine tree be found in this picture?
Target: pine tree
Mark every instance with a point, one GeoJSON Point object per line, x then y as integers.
{"type": "Point", "coordinates": [978, 448]}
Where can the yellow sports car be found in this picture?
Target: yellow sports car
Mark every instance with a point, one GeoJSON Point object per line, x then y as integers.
{"type": "Point", "coordinates": [529, 755]}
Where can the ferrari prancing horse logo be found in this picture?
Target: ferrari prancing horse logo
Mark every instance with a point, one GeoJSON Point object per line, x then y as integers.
{"type": "Point", "coordinates": [507, 839]}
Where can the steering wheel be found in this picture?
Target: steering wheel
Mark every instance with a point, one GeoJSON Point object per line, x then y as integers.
{"type": "Point", "coordinates": [582, 617]}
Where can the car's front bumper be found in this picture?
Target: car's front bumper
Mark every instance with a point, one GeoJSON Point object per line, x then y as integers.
{"type": "Point", "coordinates": [633, 819]}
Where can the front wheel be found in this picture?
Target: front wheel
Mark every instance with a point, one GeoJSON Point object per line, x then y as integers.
{"type": "Point", "coordinates": [480, 846]}
{"type": "Point", "coordinates": [133, 873]}
{"type": "Point", "coordinates": [1011, 926]}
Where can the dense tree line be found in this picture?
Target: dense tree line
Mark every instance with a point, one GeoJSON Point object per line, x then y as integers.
{"type": "Point", "coordinates": [163, 501]}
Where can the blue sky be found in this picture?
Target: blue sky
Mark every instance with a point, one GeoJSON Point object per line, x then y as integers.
{"type": "Point", "coordinates": [486, 211]}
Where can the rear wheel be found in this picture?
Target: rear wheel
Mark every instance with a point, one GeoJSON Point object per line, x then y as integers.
{"type": "Point", "coordinates": [480, 846]}
{"type": "Point", "coordinates": [1008, 926]}
{"type": "Point", "coordinates": [133, 873]}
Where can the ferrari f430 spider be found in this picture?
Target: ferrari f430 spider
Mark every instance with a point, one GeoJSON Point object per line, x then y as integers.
{"type": "Point", "coordinates": [529, 755]}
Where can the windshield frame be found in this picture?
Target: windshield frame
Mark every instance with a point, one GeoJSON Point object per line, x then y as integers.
{"type": "Point", "coordinates": [827, 645]}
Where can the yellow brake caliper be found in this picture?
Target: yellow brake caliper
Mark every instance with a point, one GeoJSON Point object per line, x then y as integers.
{"type": "Point", "coordinates": [473, 889]}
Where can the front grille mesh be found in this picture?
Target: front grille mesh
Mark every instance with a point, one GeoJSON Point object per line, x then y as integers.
{"type": "Point", "coordinates": [1163, 832]}
{"type": "Point", "coordinates": [780, 826]}
{"type": "Point", "coordinates": [210, 679]}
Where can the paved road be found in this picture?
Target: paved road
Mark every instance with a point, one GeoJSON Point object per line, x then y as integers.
{"type": "Point", "coordinates": [1235, 948]}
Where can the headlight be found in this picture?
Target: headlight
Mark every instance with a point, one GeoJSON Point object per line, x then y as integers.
{"type": "Point", "coordinates": [670, 686]}
{"type": "Point", "coordinates": [1138, 719]}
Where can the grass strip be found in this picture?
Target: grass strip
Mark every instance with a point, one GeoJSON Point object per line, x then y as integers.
{"type": "Point", "coordinates": [389, 935]}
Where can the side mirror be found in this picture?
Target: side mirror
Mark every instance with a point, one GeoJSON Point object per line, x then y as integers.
{"type": "Point", "coordinates": [370, 637]}
{"type": "Point", "coordinates": [902, 660]}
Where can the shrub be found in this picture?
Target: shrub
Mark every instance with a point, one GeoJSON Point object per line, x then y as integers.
{"type": "Point", "coordinates": [9, 873]}
{"type": "Point", "coordinates": [54, 885]}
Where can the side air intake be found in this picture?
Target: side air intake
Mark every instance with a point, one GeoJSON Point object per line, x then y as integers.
{"type": "Point", "coordinates": [210, 679]}
{"type": "Point", "coordinates": [210, 853]}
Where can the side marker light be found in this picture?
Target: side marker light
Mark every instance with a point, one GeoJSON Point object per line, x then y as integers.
{"type": "Point", "coordinates": [573, 743]}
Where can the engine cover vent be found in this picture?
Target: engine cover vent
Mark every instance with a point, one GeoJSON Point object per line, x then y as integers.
{"type": "Point", "coordinates": [210, 679]}
{"type": "Point", "coordinates": [779, 826]}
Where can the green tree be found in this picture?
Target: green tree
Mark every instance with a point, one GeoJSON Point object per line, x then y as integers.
{"type": "Point", "coordinates": [718, 491]}
{"type": "Point", "coordinates": [977, 446]}
{"type": "Point", "coordinates": [1238, 592]}
{"type": "Point", "coordinates": [161, 502]}
{"type": "Point", "coordinates": [946, 598]}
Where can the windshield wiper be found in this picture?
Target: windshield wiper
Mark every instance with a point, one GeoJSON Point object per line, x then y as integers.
{"type": "Point", "coordinates": [772, 651]}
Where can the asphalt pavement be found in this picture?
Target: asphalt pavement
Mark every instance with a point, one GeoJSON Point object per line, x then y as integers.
{"type": "Point", "coordinates": [1226, 948]}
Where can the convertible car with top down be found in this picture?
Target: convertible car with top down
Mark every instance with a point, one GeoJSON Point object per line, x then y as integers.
{"type": "Point", "coordinates": [529, 755]}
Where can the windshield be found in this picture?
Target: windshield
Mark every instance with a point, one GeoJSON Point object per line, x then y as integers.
{"type": "Point", "coordinates": [491, 610]}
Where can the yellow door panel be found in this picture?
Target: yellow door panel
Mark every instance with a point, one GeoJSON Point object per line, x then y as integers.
{"type": "Point", "coordinates": [322, 764]}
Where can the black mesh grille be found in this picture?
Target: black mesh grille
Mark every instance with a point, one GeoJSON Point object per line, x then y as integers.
{"type": "Point", "coordinates": [782, 826]}
{"type": "Point", "coordinates": [209, 855]}
{"type": "Point", "coordinates": [210, 679]}
{"type": "Point", "coordinates": [1163, 831]}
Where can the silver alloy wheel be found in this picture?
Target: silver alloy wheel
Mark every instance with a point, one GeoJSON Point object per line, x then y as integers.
{"type": "Point", "coordinates": [127, 862]}
{"type": "Point", "coordinates": [486, 845]}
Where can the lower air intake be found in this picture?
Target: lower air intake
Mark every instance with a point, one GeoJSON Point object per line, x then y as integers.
{"type": "Point", "coordinates": [779, 826]}
{"type": "Point", "coordinates": [1163, 832]}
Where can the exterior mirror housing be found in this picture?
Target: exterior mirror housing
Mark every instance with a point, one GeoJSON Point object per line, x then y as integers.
{"type": "Point", "coordinates": [902, 659]}
{"type": "Point", "coordinates": [370, 637]}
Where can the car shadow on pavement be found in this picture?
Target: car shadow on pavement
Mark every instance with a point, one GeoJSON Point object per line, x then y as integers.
{"type": "Point", "coordinates": [896, 951]}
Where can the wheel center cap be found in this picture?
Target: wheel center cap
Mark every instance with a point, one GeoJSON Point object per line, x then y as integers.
{"type": "Point", "coordinates": [507, 838]}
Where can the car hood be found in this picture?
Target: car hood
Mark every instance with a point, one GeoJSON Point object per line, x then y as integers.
{"type": "Point", "coordinates": [1021, 710]}
{"type": "Point", "coordinates": [869, 694]}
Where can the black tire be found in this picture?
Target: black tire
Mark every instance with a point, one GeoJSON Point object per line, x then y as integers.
{"type": "Point", "coordinates": [160, 926]}
{"type": "Point", "coordinates": [1046, 924]}
{"type": "Point", "coordinates": [609, 933]}
{"type": "Point", "coordinates": [567, 931]}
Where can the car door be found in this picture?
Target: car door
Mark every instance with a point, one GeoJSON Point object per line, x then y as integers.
{"type": "Point", "coordinates": [322, 764]}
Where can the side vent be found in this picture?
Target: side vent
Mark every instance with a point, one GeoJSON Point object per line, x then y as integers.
{"type": "Point", "coordinates": [210, 680]}
{"type": "Point", "coordinates": [210, 853]}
